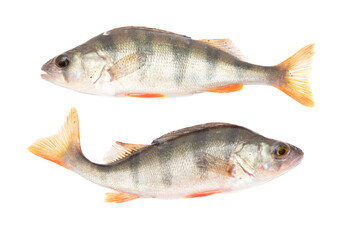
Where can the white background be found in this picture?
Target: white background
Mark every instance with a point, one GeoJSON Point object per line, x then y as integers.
{"type": "Point", "coordinates": [316, 200]}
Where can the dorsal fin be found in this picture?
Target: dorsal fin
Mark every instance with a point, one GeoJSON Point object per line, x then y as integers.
{"type": "Point", "coordinates": [225, 45]}
{"type": "Point", "coordinates": [147, 29]}
{"type": "Point", "coordinates": [177, 133]}
{"type": "Point", "coordinates": [120, 150]}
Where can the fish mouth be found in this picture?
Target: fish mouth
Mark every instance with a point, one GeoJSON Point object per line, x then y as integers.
{"type": "Point", "coordinates": [46, 76]}
{"type": "Point", "coordinates": [296, 161]}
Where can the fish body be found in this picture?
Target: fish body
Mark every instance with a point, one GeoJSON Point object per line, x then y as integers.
{"type": "Point", "coordinates": [146, 62]}
{"type": "Point", "coordinates": [191, 162]}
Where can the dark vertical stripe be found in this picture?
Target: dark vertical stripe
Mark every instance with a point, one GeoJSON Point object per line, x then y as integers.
{"type": "Point", "coordinates": [143, 40]}
{"type": "Point", "coordinates": [200, 141]}
{"type": "Point", "coordinates": [134, 166]}
{"type": "Point", "coordinates": [202, 163]}
{"type": "Point", "coordinates": [133, 34]}
{"type": "Point", "coordinates": [148, 44]}
{"type": "Point", "coordinates": [231, 136]}
{"type": "Point", "coordinates": [108, 44]}
{"type": "Point", "coordinates": [181, 49]}
{"type": "Point", "coordinates": [164, 157]}
{"type": "Point", "coordinates": [212, 56]}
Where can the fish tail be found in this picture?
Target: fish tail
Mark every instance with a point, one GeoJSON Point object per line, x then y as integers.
{"type": "Point", "coordinates": [67, 141]}
{"type": "Point", "coordinates": [296, 77]}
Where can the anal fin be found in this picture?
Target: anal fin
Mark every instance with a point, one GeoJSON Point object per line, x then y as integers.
{"type": "Point", "coordinates": [120, 197]}
{"type": "Point", "coordinates": [226, 89]}
{"type": "Point", "coordinates": [204, 193]}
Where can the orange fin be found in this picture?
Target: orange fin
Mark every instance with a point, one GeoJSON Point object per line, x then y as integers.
{"type": "Point", "coordinates": [120, 197]}
{"type": "Point", "coordinates": [226, 89]}
{"type": "Point", "coordinates": [55, 148]}
{"type": "Point", "coordinates": [204, 193]}
{"type": "Point", "coordinates": [145, 95]}
{"type": "Point", "coordinates": [296, 78]}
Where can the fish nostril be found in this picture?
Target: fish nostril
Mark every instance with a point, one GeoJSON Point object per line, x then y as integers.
{"type": "Point", "coordinates": [45, 66]}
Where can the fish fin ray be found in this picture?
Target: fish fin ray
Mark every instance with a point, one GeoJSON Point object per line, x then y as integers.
{"type": "Point", "coordinates": [127, 65]}
{"type": "Point", "coordinates": [296, 79]}
{"type": "Point", "coordinates": [226, 89]}
{"type": "Point", "coordinates": [214, 164]}
{"type": "Point", "coordinates": [120, 197]}
{"type": "Point", "coordinates": [145, 95]}
{"type": "Point", "coordinates": [148, 29]}
{"type": "Point", "coordinates": [225, 45]}
{"type": "Point", "coordinates": [204, 193]}
{"type": "Point", "coordinates": [54, 148]}
{"type": "Point", "coordinates": [180, 132]}
{"type": "Point", "coordinates": [120, 150]}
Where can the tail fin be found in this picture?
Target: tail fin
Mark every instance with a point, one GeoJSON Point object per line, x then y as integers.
{"type": "Point", "coordinates": [296, 82]}
{"type": "Point", "coordinates": [54, 148]}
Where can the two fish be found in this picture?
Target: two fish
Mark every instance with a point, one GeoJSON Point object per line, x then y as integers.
{"type": "Point", "coordinates": [190, 162]}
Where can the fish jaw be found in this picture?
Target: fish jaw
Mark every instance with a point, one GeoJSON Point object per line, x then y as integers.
{"type": "Point", "coordinates": [52, 73]}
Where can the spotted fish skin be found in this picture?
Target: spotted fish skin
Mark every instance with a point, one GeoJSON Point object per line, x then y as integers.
{"type": "Point", "coordinates": [194, 161]}
{"type": "Point", "coordinates": [135, 61]}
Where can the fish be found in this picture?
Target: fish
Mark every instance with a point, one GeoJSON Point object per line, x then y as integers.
{"type": "Point", "coordinates": [191, 162]}
{"type": "Point", "coordinates": [152, 63]}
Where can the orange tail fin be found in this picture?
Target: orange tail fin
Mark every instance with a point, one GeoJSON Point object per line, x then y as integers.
{"type": "Point", "coordinates": [54, 148]}
{"type": "Point", "coordinates": [296, 82]}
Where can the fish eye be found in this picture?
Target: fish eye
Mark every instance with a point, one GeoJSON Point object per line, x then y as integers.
{"type": "Point", "coordinates": [281, 150]}
{"type": "Point", "coordinates": [62, 61]}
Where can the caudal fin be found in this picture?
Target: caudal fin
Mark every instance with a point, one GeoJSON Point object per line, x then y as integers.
{"type": "Point", "coordinates": [56, 147]}
{"type": "Point", "coordinates": [296, 79]}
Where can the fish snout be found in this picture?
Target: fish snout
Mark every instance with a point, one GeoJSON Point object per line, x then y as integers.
{"type": "Point", "coordinates": [50, 70]}
{"type": "Point", "coordinates": [296, 156]}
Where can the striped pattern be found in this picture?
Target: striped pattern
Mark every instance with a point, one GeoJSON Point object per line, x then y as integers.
{"type": "Point", "coordinates": [145, 62]}
{"type": "Point", "coordinates": [188, 162]}
{"type": "Point", "coordinates": [175, 64]}
{"type": "Point", "coordinates": [179, 165]}
{"type": "Point", "coordinates": [181, 51]}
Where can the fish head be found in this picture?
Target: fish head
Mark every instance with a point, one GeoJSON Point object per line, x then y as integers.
{"type": "Point", "coordinates": [77, 69]}
{"type": "Point", "coordinates": [265, 159]}
{"type": "Point", "coordinates": [276, 158]}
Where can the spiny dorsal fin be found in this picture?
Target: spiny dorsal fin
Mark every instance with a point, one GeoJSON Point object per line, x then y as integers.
{"type": "Point", "coordinates": [146, 29]}
{"type": "Point", "coordinates": [120, 150]}
{"type": "Point", "coordinates": [177, 133]}
{"type": "Point", "coordinates": [225, 45]}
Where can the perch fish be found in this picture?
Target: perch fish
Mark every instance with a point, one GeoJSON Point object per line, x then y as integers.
{"type": "Point", "coordinates": [191, 162]}
{"type": "Point", "coordinates": [152, 63]}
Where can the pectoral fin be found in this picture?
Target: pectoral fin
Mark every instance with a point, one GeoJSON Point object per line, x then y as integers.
{"type": "Point", "coordinates": [207, 162]}
{"type": "Point", "coordinates": [127, 65]}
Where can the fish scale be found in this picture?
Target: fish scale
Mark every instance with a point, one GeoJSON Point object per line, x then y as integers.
{"type": "Point", "coordinates": [146, 62]}
{"type": "Point", "coordinates": [190, 162]}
